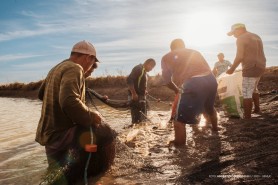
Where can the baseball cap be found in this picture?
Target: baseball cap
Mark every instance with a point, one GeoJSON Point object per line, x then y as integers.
{"type": "Point", "coordinates": [85, 47]}
{"type": "Point", "coordinates": [234, 27]}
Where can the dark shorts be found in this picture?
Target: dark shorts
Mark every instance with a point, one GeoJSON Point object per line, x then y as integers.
{"type": "Point", "coordinates": [198, 97]}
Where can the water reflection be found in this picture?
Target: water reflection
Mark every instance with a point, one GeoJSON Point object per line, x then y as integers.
{"type": "Point", "coordinates": [142, 153]}
{"type": "Point", "coordinates": [22, 159]}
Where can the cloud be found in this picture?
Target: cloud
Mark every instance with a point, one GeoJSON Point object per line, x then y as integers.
{"type": "Point", "coordinates": [124, 32]}
{"type": "Point", "coordinates": [31, 14]}
{"type": "Point", "coordinates": [11, 57]}
{"type": "Point", "coordinates": [40, 64]}
{"type": "Point", "coordinates": [23, 32]}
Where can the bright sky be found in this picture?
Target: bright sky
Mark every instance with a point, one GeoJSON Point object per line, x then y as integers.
{"type": "Point", "coordinates": [35, 35]}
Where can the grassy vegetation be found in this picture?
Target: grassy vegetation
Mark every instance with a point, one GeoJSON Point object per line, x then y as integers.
{"type": "Point", "coordinates": [115, 86]}
{"type": "Point", "coordinates": [106, 82]}
{"type": "Point", "coordinates": [21, 86]}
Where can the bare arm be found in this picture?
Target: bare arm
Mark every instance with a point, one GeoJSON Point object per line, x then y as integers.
{"type": "Point", "coordinates": [238, 59]}
{"type": "Point", "coordinates": [173, 87]}
{"type": "Point", "coordinates": [214, 71]}
{"type": "Point", "coordinates": [131, 79]}
{"type": "Point", "coordinates": [133, 92]}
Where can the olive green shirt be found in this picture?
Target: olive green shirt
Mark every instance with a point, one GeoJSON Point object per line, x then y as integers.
{"type": "Point", "coordinates": [63, 95]}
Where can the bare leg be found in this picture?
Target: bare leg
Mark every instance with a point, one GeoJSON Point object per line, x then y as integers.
{"type": "Point", "coordinates": [256, 100]}
{"type": "Point", "coordinates": [213, 120]}
{"type": "Point", "coordinates": [207, 118]}
{"type": "Point", "coordinates": [180, 133]}
{"type": "Point", "coordinates": [247, 106]}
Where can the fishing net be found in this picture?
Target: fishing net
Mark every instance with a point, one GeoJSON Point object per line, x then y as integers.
{"type": "Point", "coordinates": [73, 168]}
{"type": "Point", "coordinates": [117, 104]}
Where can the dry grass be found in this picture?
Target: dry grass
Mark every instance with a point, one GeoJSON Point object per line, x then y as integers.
{"type": "Point", "coordinates": [107, 82]}
{"type": "Point", "coordinates": [115, 86]}
{"type": "Point", "coordinates": [22, 86]}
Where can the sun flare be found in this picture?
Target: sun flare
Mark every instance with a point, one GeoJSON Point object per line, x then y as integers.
{"type": "Point", "coordinates": [204, 28]}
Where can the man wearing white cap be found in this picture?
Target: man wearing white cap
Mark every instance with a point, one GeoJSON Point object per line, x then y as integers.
{"type": "Point", "coordinates": [64, 114]}
{"type": "Point", "coordinates": [250, 54]}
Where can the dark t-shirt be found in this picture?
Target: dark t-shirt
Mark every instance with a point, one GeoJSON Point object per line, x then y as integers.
{"type": "Point", "coordinates": [138, 78]}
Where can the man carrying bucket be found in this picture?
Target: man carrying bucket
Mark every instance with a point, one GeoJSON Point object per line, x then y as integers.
{"type": "Point", "coordinates": [250, 54]}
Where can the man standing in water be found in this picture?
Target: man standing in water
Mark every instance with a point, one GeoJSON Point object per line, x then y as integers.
{"type": "Point", "coordinates": [250, 54]}
{"type": "Point", "coordinates": [64, 114]}
{"type": "Point", "coordinates": [187, 68]}
{"type": "Point", "coordinates": [221, 66]}
{"type": "Point", "coordinates": [137, 85]}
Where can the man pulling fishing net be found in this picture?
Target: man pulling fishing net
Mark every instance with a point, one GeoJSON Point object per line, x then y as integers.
{"type": "Point", "coordinates": [187, 73]}
{"type": "Point", "coordinates": [137, 84]}
{"type": "Point", "coordinates": [77, 142]}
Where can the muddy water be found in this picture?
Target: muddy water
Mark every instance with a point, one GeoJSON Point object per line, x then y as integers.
{"type": "Point", "coordinates": [143, 154]}
{"type": "Point", "coordinates": [22, 159]}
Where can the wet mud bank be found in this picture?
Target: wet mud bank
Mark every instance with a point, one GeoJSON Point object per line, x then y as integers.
{"type": "Point", "coordinates": [242, 152]}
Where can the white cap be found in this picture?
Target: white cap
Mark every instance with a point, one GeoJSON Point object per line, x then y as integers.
{"type": "Point", "coordinates": [85, 47]}
{"type": "Point", "coordinates": [234, 27]}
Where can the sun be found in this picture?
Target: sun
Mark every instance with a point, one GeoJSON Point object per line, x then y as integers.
{"type": "Point", "coordinates": [203, 28]}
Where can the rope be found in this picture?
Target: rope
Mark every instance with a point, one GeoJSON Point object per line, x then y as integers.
{"type": "Point", "coordinates": [92, 142]}
{"type": "Point", "coordinates": [117, 104]}
{"type": "Point", "coordinates": [146, 116]}
{"type": "Point", "coordinates": [88, 160]}
{"type": "Point", "coordinates": [158, 100]}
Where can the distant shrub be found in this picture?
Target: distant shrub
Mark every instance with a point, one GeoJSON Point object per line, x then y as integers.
{"type": "Point", "coordinates": [32, 86]}
{"type": "Point", "coordinates": [22, 86]}
{"type": "Point", "coordinates": [108, 81]}
{"type": "Point", "coordinates": [13, 86]}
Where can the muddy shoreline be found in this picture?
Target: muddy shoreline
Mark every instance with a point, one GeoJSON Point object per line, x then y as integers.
{"type": "Point", "coordinates": [243, 152]}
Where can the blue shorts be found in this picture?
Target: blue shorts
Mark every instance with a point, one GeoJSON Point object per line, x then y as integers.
{"type": "Point", "coordinates": [198, 97]}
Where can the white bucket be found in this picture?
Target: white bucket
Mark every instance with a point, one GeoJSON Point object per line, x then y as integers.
{"type": "Point", "coordinates": [230, 93]}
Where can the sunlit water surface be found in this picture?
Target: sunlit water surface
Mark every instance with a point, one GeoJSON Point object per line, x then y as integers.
{"type": "Point", "coordinates": [142, 151]}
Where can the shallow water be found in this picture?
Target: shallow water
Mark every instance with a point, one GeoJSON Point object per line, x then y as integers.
{"type": "Point", "coordinates": [22, 159]}
{"type": "Point", "coordinates": [143, 155]}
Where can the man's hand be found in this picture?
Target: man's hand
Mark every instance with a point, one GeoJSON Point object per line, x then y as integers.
{"type": "Point", "coordinates": [230, 71]}
{"type": "Point", "coordinates": [134, 97]}
{"type": "Point", "coordinates": [97, 118]}
{"type": "Point", "coordinates": [173, 86]}
{"type": "Point", "coordinates": [105, 97]}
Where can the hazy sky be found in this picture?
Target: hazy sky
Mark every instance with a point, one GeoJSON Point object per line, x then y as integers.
{"type": "Point", "coordinates": [37, 34]}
